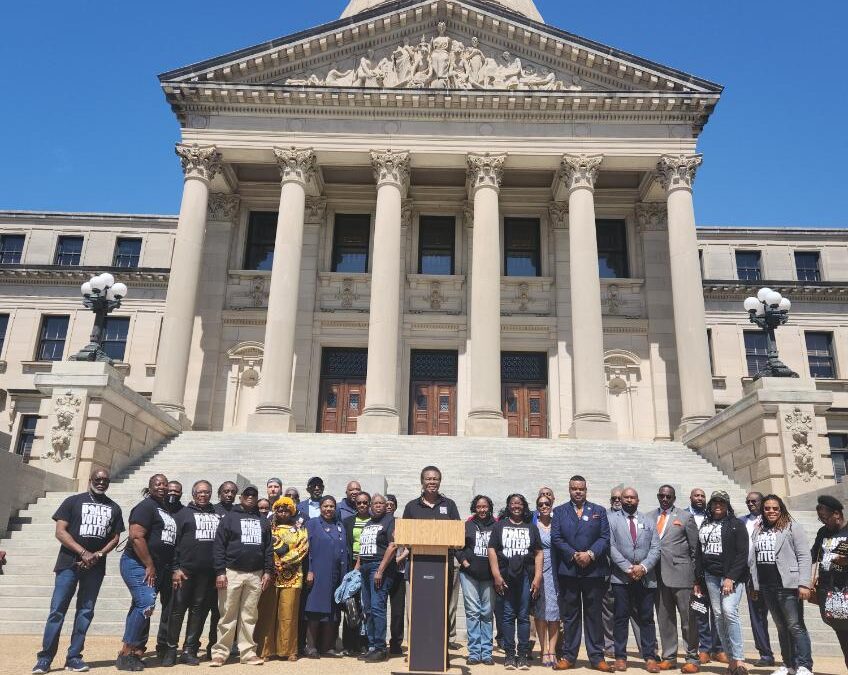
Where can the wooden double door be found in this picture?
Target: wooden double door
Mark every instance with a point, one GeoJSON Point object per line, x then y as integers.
{"type": "Point", "coordinates": [342, 389]}
{"type": "Point", "coordinates": [525, 408]}
{"type": "Point", "coordinates": [432, 404]}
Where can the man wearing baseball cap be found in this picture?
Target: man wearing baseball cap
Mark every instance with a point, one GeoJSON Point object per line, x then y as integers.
{"type": "Point", "coordinates": [244, 562]}
{"type": "Point", "coordinates": [311, 507]}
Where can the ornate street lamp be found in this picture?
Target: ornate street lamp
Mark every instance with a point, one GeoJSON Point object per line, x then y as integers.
{"type": "Point", "coordinates": [768, 311]}
{"type": "Point", "coordinates": [101, 295]}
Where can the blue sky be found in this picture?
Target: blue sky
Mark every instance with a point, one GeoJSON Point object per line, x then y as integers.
{"type": "Point", "coordinates": [86, 126]}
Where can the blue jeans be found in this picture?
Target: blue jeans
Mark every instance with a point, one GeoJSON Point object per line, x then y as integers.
{"type": "Point", "coordinates": [143, 602]}
{"type": "Point", "coordinates": [477, 596]}
{"type": "Point", "coordinates": [516, 614]}
{"type": "Point", "coordinates": [86, 584]}
{"type": "Point", "coordinates": [726, 611]}
{"type": "Point", "coordinates": [374, 603]}
{"type": "Point", "coordinates": [787, 612]}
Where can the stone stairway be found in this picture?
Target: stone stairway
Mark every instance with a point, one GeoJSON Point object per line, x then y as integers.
{"type": "Point", "coordinates": [495, 467]}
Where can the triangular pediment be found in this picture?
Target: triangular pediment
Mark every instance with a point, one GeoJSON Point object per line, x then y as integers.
{"type": "Point", "coordinates": [470, 45]}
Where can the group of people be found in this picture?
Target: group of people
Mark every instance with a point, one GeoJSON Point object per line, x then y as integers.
{"type": "Point", "coordinates": [276, 577]}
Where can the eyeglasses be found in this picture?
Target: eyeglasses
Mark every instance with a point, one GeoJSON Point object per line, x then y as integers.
{"type": "Point", "coordinates": [541, 504]}
{"type": "Point", "coordinates": [100, 480]}
{"type": "Point", "coordinates": [752, 501]}
{"type": "Point", "coordinates": [662, 496]}
{"type": "Point", "coordinates": [770, 509]}
{"type": "Point", "coordinates": [615, 499]}
{"type": "Point", "coordinates": [365, 503]}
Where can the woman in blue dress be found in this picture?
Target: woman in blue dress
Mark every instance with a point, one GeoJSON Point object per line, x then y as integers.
{"type": "Point", "coordinates": [327, 566]}
{"type": "Point", "coordinates": [547, 608]}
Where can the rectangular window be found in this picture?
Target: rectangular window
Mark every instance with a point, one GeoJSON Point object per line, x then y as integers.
{"type": "Point", "coordinates": [436, 243]}
{"type": "Point", "coordinates": [127, 252]}
{"type": "Point", "coordinates": [11, 248]}
{"type": "Point", "coordinates": [612, 249]}
{"type": "Point", "coordinates": [820, 354]}
{"type": "Point", "coordinates": [68, 251]}
{"type": "Point", "coordinates": [261, 233]}
{"type": "Point", "coordinates": [351, 239]}
{"type": "Point", "coordinates": [748, 265]}
{"type": "Point", "coordinates": [4, 325]}
{"type": "Point", "coordinates": [54, 331]}
{"type": "Point", "coordinates": [807, 265]}
{"type": "Point", "coordinates": [839, 455]}
{"type": "Point", "coordinates": [756, 351]}
{"type": "Point", "coordinates": [115, 336]}
{"type": "Point", "coordinates": [522, 247]}
{"type": "Point", "coordinates": [26, 436]}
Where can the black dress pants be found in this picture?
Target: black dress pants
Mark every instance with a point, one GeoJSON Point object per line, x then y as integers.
{"type": "Point", "coordinates": [196, 596]}
{"type": "Point", "coordinates": [397, 598]}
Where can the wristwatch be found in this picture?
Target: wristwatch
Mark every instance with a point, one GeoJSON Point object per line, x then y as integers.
{"type": "Point", "coordinates": [98, 554]}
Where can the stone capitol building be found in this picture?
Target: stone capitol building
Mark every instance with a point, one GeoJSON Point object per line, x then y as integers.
{"type": "Point", "coordinates": [431, 217]}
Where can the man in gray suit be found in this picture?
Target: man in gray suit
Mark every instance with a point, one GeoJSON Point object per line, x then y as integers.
{"type": "Point", "coordinates": [634, 552]}
{"type": "Point", "coordinates": [675, 578]}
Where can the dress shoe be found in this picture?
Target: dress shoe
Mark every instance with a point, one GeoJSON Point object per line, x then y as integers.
{"type": "Point", "coordinates": [704, 658]}
{"type": "Point", "coordinates": [665, 664]}
{"type": "Point", "coordinates": [602, 666]}
{"type": "Point", "coordinates": [253, 661]}
{"type": "Point", "coordinates": [652, 666]}
{"type": "Point", "coordinates": [620, 665]}
{"type": "Point", "coordinates": [690, 668]}
{"type": "Point", "coordinates": [721, 657]}
{"type": "Point", "coordinates": [563, 664]}
{"type": "Point", "coordinates": [764, 662]}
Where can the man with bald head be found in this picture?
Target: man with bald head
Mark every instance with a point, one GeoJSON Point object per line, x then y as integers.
{"type": "Point", "coordinates": [347, 506]}
{"type": "Point", "coordinates": [634, 553]}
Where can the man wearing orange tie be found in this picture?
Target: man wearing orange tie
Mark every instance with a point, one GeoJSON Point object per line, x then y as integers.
{"type": "Point", "coordinates": [675, 579]}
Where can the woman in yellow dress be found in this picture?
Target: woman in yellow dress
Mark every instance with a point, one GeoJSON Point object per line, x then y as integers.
{"type": "Point", "coordinates": [279, 606]}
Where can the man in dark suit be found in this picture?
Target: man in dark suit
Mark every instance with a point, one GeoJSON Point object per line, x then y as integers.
{"type": "Point", "coordinates": [580, 536]}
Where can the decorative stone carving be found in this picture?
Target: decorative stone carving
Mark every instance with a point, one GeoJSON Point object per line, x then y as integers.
{"type": "Point", "coordinates": [652, 216]}
{"type": "Point", "coordinates": [199, 161]}
{"type": "Point", "coordinates": [468, 214]}
{"type": "Point", "coordinates": [316, 210]}
{"type": "Point", "coordinates": [485, 171]}
{"type": "Point", "coordinates": [558, 213]}
{"type": "Point", "coordinates": [441, 62]}
{"type": "Point", "coordinates": [347, 294]}
{"type": "Point", "coordinates": [406, 213]}
{"type": "Point", "coordinates": [391, 168]}
{"type": "Point", "coordinates": [612, 300]}
{"type": "Point", "coordinates": [678, 171]}
{"type": "Point", "coordinates": [579, 171]}
{"type": "Point", "coordinates": [67, 407]}
{"type": "Point", "coordinates": [523, 296]}
{"type": "Point", "coordinates": [435, 297]}
{"type": "Point", "coordinates": [297, 165]}
{"type": "Point", "coordinates": [222, 206]}
{"type": "Point", "coordinates": [800, 425]}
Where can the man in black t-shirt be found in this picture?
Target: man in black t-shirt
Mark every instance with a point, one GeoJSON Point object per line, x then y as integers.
{"type": "Point", "coordinates": [88, 526]}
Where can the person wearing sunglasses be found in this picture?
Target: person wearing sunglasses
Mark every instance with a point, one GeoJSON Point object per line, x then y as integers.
{"type": "Point", "coordinates": [781, 566]}
{"type": "Point", "coordinates": [352, 642]}
{"type": "Point", "coordinates": [546, 611]}
{"type": "Point", "coordinates": [88, 526]}
{"type": "Point", "coordinates": [757, 608]}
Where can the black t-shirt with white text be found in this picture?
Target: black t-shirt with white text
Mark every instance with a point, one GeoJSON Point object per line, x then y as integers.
{"type": "Point", "coordinates": [161, 531]}
{"type": "Point", "coordinates": [831, 575]}
{"type": "Point", "coordinates": [712, 547]}
{"type": "Point", "coordinates": [92, 521]}
{"type": "Point", "coordinates": [765, 551]}
{"type": "Point", "coordinates": [196, 528]}
{"type": "Point", "coordinates": [515, 546]}
{"type": "Point", "coordinates": [375, 538]}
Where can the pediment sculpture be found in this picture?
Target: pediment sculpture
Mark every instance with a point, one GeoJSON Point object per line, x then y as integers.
{"type": "Point", "coordinates": [441, 63]}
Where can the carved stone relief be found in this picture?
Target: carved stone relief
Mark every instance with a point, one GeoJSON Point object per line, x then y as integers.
{"type": "Point", "coordinates": [67, 407]}
{"type": "Point", "coordinates": [440, 62]}
{"type": "Point", "coordinates": [801, 425]}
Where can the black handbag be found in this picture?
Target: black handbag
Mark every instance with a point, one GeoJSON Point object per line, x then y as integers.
{"type": "Point", "coordinates": [352, 608]}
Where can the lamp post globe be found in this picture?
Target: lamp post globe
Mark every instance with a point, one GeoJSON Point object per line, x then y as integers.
{"type": "Point", "coordinates": [102, 296]}
{"type": "Point", "coordinates": [768, 310]}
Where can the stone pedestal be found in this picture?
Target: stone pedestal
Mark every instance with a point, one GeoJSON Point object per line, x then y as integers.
{"type": "Point", "coordinates": [92, 420]}
{"type": "Point", "coordinates": [773, 440]}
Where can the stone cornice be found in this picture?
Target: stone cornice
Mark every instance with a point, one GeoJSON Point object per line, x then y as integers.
{"type": "Point", "coordinates": [197, 161]}
{"type": "Point", "coordinates": [796, 291]}
{"type": "Point", "coordinates": [733, 232]}
{"type": "Point", "coordinates": [51, 275]}
{"type": "Point", "coordinates": [391, 168]}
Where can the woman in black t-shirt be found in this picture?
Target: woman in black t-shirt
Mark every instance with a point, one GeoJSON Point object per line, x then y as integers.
{"type": "Point", "coordinates": [145, 566]}
{"type": "Point", "coordinates": [515, 558]}
{"type": "Point", "coordinates": [831, 540]}
{"type": "Point", "coordinates": [376, 563]}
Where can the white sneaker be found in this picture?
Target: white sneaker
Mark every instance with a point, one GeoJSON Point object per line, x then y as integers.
{"type": "Point", "coordinates": [803, 671]}
{"type": "Point", "coordinates": [783, 670]}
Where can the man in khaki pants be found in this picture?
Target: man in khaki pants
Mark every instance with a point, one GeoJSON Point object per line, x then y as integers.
{"type": "Point", "coordinates": [244, 562]}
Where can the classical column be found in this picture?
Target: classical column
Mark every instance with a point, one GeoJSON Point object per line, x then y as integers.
{"type": "Point", "coordinates": [677, 173]}
{"type": "Point", "coordinates": [298, 172]}
{"type": "Point", "coordinates": [200, 165]}
{"type": "Point", "coordinates": [380, 414]}
{"type": "Point", "coordinates": [591, 419]}
{"type": "Point", "coordinates": [485, 417]}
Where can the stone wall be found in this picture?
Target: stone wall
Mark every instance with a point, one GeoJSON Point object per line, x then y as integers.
{"type": "Point", "coordinates": [773, 440]}
{"type": "Point", "coordinates": [21, 484]}
{"type": "Point", "coordinates": [90, 419]}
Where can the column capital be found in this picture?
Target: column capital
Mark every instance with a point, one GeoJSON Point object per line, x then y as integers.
{"type": "Point", "coordinates": [222, 206]}
{"type": "Point", "coordinates": [558, 213]}
{"type": "Point", "coordinates": [316, 210]}
{"type": "Point", "coordinates": [652, 216]}
{"type": "Point", "coordinates": [578, 171]}
{"type": "Point", "coordinates": [678, 171]}
{"type": "Point", "coordinates": [198, 161]}
{"type": "Point", "coordinates": [391, 168]}
{"type": "Point", "coordinates": [297, 165]}
{"type": "Point", "coordinates": [484, 171]}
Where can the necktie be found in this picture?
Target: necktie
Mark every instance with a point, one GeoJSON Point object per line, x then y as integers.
{"type": "Point", "coordinates": [661, 522]}
{"type": "Point", "coordinates": [633, 534]}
